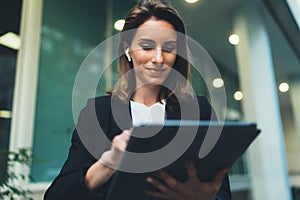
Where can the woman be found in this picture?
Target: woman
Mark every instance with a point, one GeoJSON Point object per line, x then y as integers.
{"type": "Point", "coordinates": [149, 63]}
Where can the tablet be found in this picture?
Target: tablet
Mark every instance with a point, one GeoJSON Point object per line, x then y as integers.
{"type": "Point", "coordinates": [153, 148]}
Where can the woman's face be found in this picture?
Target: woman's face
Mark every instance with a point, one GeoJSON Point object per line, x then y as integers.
{"type": "Point", "coordinates": [153, 51]}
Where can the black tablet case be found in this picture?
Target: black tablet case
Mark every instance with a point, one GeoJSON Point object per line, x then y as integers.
{"type": "Point", "coordinates": [233, 142]}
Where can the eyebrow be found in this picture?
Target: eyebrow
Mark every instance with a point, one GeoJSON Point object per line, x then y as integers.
{"type": "Point", "coordinates": [153, 42]}
{"type": "Point", "coordinates": [146, 40]}
{"type": "Point", "coordinates": [170, 42]}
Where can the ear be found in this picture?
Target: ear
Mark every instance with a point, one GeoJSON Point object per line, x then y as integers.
{"type": "Point", "coordinates": [127, 54]}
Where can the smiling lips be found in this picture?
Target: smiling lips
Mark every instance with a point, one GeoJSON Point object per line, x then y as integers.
{"type": "Point", "coordinates": [155, 71]}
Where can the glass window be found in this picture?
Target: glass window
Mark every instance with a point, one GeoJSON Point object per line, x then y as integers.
{"type": "Point", "coordinates": [10, 13]}
{"type": "Point", "coordinates": [66, 40]}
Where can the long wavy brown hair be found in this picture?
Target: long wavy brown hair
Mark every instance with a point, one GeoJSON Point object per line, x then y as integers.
{"type": "Point", "coordinates": [140, 13]}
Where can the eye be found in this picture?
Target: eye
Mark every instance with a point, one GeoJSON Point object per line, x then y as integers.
{"type": "Point", "coordinates": [170, 48]}
{"type": "Point", "coordinates": [146, 47]}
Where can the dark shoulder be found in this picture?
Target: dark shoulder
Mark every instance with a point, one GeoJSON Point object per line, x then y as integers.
{"type": "Point", "coordinates": [103, 99]}
{"type": "Point", "coordinates": [206, 110]}
{"type": "Point", "coordinates": [101, 106]}
{"type": "Point", "coordinates": [101, 102]}
{"type": "Point", "coordinates": [202, 99]}
{"type": "Point", "coordinates": [203, 102]}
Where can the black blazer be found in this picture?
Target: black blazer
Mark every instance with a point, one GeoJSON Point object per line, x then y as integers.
{"type": "Point", "coordinates": [69, 184]}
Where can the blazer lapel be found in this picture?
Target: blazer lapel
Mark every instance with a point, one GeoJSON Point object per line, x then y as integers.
{"type": "Point", "coordinates": [172, 111]}
{"type": "Point", "coordinates": [120, 118]}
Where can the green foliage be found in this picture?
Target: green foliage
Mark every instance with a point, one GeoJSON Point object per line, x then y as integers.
{"type": "Point", "coordinates": [11, 188]}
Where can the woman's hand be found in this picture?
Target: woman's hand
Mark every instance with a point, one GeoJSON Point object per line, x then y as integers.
{"type": "Point", "coordinates": [113, 157]}
{"type": "Point", "coordinates": [192, 189]}
{"type": "Point", "coordinates": [104, 168]}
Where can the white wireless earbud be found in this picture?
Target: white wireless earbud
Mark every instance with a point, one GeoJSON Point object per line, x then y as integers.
{"type": "Point", "coordinates": [127, 55]}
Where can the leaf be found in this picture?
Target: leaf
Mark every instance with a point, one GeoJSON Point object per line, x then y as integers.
{"type": "Point", "coordinates": [24, 157]}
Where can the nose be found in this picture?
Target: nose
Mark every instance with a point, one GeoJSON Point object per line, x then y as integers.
{"type": "Point", "coordinates": [158, 56]}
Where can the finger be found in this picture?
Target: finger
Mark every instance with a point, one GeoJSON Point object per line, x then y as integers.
{"type": "Point", "coordinates": [128, 132]}
{"type": "Point", "coordinates": [120, 141]}
{"type": "Point", "coordinates": [118, 144]}
{"type": "Point", "coordinates": [217, 181]}
{"type": "Point", "coordinates": [191, 170]}
{"type": "Point", "coordinates": [158, 185]}
{"type": "Point", "coordinates": [125, 135]}
{"type": "Point", "coordinates": [156, 194]}
{"type": "Point", "coordinates": [164, 190]}
{"type": "Point", "coordinates": [169, 180]}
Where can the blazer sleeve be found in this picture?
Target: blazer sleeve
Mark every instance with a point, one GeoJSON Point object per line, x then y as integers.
{"type": "Point", "coordinates": [70, 184]}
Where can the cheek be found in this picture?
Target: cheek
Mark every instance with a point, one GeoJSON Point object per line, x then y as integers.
{"type": "Point", "coordinates": [171, 60]}
{"type": "Point", "coordinates": [139, 58]}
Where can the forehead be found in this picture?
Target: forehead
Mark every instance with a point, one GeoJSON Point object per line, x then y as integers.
{"type": "Point", "coordinates": [157, 30]}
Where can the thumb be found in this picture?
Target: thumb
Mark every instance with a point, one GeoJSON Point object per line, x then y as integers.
{"type": "Point", "coordinates": [127, 132]}
{"type": "Point", "coordinates": [120, 141]}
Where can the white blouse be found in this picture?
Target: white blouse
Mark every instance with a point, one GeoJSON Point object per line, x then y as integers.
{"type": "Point", "coordinates": [144, 115]}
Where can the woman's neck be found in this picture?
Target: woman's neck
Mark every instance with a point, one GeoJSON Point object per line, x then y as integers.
{"type": "Point", "coordinates": [146, 94]}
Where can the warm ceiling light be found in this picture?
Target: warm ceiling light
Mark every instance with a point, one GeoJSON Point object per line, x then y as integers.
{"type": "Point", "coordinates": [119, 24]}
{"type": "Point", "coordinates": [5, 114]}
{"type": "Point", "coordinates": [234, 39]}
{"type": "Point", "coordinates": [218, 83]}
{"type": "Point", "coordinates": [11, 40]}
{"type": "Point", "coordinates": [238, 95]}
{"type": "Point", "coordinates": [283, 87]}
{"type": "Point", "coordinates": [191, 1]}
